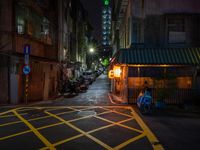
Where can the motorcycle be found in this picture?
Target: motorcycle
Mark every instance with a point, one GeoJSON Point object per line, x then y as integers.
{"type": "Point", "coordinates": [83, 86]}
{"type": "Point", "coordinates": [144, 102]}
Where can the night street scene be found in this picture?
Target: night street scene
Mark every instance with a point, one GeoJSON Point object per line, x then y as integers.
{"type": "Point", "coordinates": [99, 74]}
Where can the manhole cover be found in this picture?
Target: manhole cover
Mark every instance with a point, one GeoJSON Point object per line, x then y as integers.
{"type": "Point", "coordinates": [87, 113]}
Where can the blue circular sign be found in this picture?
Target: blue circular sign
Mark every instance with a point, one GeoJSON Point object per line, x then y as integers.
{"type": "Point", "coordinates": [26, 70]}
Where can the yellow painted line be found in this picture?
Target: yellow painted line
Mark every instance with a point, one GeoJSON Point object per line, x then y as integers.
{"type": "Point", "coordinates": [52, 109]}
{"type": "Point", "coordinates": [81, 131]}
{"type": "Point", "coordinates": [116, 123]}
{"type": "Point", "coordinates": [20, 133]}
{"type": "Point", "coordinates": [89, 116]}
{"type": "Point", "coordinates": [110, 125]}
{"type": "Point", "coordinates": [129, 141]}
{"type": "Point", "coordinates": [64, 141]}
{"type": "Point", "coordinates": [67, 140]}
{"type": "Point", "coordinates": [9, 123]}
{"type": "Point", "coordinates": [48, 126]}
{"type": "Point", "coordinates": [5, 112]}
{"type": "Point", "coordinates": [24, 109]}
{"type": "Point", "coordinates": [35, 131]}
{"type": "Point", "coordinates": [13, 135]}
{"type": "Point", "coordinates": [84, 116]}
{"type": "Point", "coordinates": [151, 137]}
{"type": "Point", "coordinates": [34, 119]}
{"type": "Point", "coordinates": [6, 116]}
{"type": "Point", "coordinates": [92, 107]}
{"type": "Point", "coordinates": [122, 113]}
{"type": "Point", "coordinates": [119, 112]}
{"type": "Point", "coordinates": [77, 136]}
{"type": "Point", "coordinates": [80, 107]}
{"type": "Point", "coordinates": [38, 118]}
{"type": "Point", "coordinates": [67, 112]}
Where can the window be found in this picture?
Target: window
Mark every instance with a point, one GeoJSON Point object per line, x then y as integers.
{"type": "Point", "coordinates": [176, 30]}
{"type": "Point", "coordinates": [20, 25]}
{"type": "Point", "coordinates": [45, 27]}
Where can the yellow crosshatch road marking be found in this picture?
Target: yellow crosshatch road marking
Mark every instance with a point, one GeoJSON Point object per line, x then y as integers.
{"type": "Point", "coordinates": [89, 132]}
{"type": "Point", "coordinates": [9, 123]}
{"type": "Point", "coordinates": [81, 131]}
{"type": "Point", "coordinates": [6, 116]}
{"type": "Point", "coordinates": [144, 132]}
{"type": "Point", "coordinates": [118, 112]}
{"type": "Point", "coordinates": [5, 112]}
{"type": "Point", "coordinates": [35, 131]}
{"type": "Point", "coordinates": [13, 135]}
{"type": "Point", "coordinates": [129, 141]}
{"type": "Point", "coordinates": [119, 124]}
{"type": "Point", "coordinates": [152, 138]}
{"type": "Point", "coordinates": [27, 131]}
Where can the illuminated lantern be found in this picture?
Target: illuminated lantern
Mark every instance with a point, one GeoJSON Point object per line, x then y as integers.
{"type": "Point", "coordinates": [111, 74]}
{"type": "Point", "coordinates": [117, 71]}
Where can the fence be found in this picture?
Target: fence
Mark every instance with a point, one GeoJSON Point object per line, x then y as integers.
{"type": "Point", "coordinates": [178, 96]}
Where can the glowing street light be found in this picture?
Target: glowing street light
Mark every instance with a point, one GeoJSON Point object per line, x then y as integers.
{"type": "Point", "coordinates": [91, 50]}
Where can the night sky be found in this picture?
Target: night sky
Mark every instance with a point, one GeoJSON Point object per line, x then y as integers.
{"type": "Point", "coordinates": [94, 10]}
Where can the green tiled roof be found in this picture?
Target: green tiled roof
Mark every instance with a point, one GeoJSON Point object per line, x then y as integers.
{"type": "Point", "coordinates": [157, 56]}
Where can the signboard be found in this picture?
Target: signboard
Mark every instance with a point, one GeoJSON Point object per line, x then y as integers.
{"type": "Point", "coordinates": [111, 74]}
{"type": "Point", "coordinates": [27, 49]}
{"type": "Point", "coordinates": [26, 59]}
{"type": "Point", "coordinates": [26, 70]}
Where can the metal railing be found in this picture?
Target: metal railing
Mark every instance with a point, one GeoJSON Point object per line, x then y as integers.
{"type": "Point", "coordinates": [178, 96]}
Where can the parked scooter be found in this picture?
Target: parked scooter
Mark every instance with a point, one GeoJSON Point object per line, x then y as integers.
{"type": "Point", "coordinates": [144, 102]}
{"type": "Point", "coordinates": [83, 86]}
{"type": "Point", "coordinates": [75, 86]}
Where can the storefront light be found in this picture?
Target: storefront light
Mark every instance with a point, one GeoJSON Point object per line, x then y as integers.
{"type": "Point", "coordinates": [117, 71]}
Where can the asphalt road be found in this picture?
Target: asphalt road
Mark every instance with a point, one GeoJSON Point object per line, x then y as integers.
{"type": "Point", "coordinates": [90, 121]}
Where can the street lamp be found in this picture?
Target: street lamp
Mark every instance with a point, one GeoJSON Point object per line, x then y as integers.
{"type": "Point", "coordinates": [91, 50]}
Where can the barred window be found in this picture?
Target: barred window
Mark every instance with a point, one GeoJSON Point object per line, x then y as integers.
{"type": "Point", "coordinates": [176, 30]}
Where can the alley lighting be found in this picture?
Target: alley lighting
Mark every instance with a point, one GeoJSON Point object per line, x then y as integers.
{"type": "Point", "coordinates": [117, 71]}
{"type": "Point", "coordinates": [91, 50]}
{"type": "Point", "coordinates": [100, 59]}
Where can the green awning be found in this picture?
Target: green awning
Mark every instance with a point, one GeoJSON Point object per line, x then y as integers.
{"type": "Point", "coordinates": [158, 56]}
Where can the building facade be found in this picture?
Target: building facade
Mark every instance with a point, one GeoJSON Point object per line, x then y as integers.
{"type": "Point", "coordinates": [156, 23]}
{"type": "Point", "coordinates": [76, 37]}
{"type": "Point", "coordinates": [33, 23]}
{"type": "Point", "coordinates": [154, 34]}
{"type": "Point", "coordinates": [54, 30]}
